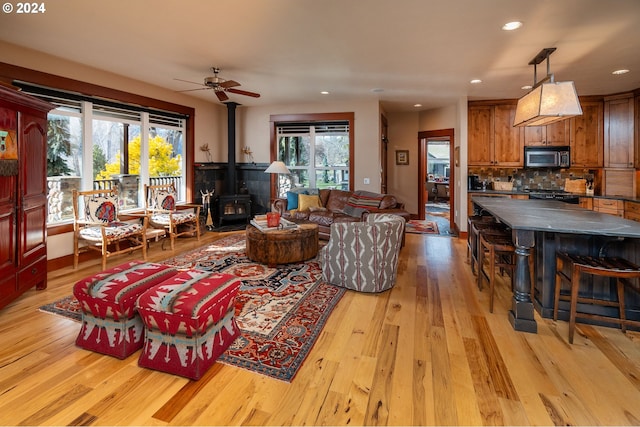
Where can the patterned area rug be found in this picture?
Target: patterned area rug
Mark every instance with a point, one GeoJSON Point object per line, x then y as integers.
{"type": "Point", "coordinates": [422, 227]}
{"type": "Point", "coordinates": [280, 311]}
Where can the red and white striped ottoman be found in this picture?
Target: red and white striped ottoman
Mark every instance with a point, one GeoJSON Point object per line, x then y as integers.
{"type": "Point", "coordinates": [190, 321]}
{"type": "Point", "coordinates": [110, 322]}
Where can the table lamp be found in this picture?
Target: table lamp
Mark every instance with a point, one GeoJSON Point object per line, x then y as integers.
{"type": "Point", "coordinates": [278, 168]}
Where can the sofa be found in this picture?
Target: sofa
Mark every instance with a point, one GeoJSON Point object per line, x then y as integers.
{"type": "Point", "coordinates": [328, 206]}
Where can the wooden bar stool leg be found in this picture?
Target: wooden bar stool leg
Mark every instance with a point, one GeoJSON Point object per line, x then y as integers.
{"type": "Point", "coordinates": [575, 287]}
{"type": "Point", "coordinates": [480, 255]}
{"type": "Point", "coordinates": [492, 273]}
{"type": "Point", "coordinates": [556, 293]}
{"type": "Point", "coordinates": [623, 323]}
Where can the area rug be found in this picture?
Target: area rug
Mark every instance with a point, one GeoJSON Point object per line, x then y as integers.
{"type": "Point", "coordinates": [280, 311]}
{"type": "Point", "coordinates": [421, 227]}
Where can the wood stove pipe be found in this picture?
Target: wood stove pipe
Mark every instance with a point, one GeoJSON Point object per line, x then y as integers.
{"type": "Point", "coordinates": [231, 147]}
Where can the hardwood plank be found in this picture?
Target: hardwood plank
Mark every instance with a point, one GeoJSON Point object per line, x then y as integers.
{"type": "Point", "coordinates": [427, 352]}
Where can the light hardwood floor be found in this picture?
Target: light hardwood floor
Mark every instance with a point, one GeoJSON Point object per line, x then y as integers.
{"type": "Point", "coordinates": [427, 352]}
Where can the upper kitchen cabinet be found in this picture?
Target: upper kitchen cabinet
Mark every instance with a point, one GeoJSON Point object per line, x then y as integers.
{"type": "Point", "coordinates": [554, 134]}
{"type": "Point", "coordinates": [493, 140]}
{"type": "Point", "coordinates": [619, 131]}
{"type": "Point", "coordinates": [587, 135]}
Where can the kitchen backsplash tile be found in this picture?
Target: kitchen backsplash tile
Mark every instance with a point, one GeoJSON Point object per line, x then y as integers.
{"type": "Point", "coordinates": [535, 179]}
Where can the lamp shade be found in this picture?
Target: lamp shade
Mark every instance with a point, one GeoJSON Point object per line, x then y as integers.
{"type": "Point", "coordinates": [548, 103]}
{"type": "Point", "coordinates": [277, 167]}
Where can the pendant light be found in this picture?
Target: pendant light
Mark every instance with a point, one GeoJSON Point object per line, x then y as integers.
{"type": "Point", "coordinates": [549, 101]}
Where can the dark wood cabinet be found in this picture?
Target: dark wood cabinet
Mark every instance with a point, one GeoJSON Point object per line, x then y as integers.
{"type": "Point", "coordinates": [23, 194]}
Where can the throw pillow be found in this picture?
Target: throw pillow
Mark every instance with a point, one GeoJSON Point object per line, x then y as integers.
{"type": "Point", "coordinates": [362, 201]}
{"type": "Point", "coordinates": [292, 199]}
{"type": "Point", "coordinates": [305, 201]}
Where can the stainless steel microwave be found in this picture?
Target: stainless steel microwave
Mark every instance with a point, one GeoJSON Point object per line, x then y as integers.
{"type": "Point", "coordinates": [547, 157]}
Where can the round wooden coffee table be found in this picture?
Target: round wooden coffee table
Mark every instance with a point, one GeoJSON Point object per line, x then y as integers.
{"type": "Point", "coordinates": [282, 246]}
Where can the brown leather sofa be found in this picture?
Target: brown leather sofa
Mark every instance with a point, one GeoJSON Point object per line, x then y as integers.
{"type": "Point", "coordinates": [332, 209]}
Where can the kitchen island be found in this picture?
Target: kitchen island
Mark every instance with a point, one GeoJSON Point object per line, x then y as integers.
{"type": "Point", "coordinates": [542, 227]}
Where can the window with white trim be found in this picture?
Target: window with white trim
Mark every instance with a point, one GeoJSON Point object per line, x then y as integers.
{"type": "Point", "coordinates": [316, 154]}
{"type": "Point", "coordinates": [96, 144]}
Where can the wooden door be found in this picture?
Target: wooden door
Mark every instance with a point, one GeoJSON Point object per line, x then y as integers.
{"type": "Point", "coordinates": [32, 206]}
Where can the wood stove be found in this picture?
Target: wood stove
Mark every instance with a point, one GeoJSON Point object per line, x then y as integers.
{"type": "Point", "coordinates": [234, 208]}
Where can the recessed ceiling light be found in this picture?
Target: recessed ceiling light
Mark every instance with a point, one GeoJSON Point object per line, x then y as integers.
{"type": "Point", "coordinates": [475, 81]}
{"type": "Point", "coordinates": [324, 92]}
{"type": "Point", "coordinates": [513, 25]}
{"type": "Point", "coordinates": [622, 71]}
{"type": "Point", "coordinates": [527, 87]}
{"type": "Point", "coordinates": [417, 105]}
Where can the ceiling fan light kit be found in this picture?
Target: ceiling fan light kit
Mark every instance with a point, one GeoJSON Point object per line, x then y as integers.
{"type": "Point", "coordinates": [548, 101]}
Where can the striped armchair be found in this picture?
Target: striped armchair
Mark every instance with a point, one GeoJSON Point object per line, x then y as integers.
{"type": "Point", "coordinates": [363, 256]}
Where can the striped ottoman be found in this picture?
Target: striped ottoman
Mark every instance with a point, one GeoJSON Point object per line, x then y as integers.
{"type": "Point", "coordinates": [110, 323]}
{"type": "Point", "coordinates": [189, 322]}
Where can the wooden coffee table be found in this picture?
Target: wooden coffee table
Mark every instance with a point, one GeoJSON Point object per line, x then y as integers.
{"type": "Point", "coordinates": [282, 246]}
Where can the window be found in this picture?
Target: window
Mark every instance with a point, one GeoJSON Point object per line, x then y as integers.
{"type": "Point", "coordinates": [125, 147]}
{"type": "Point", "coordinates": [318, 154]}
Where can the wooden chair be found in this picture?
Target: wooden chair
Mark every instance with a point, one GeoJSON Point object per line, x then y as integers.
{"type": "Point", "coordinates": [163, 212]}
{"type": "Point", "coordinates": [97, 225]}
{"type": "Point", "coordinates": [497, 247]}
{"type": "Point", "coordinates": [619, 268]}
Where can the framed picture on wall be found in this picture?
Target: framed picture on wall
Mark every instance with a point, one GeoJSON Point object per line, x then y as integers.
{"type": "Point", "coordinates": [402, 157]}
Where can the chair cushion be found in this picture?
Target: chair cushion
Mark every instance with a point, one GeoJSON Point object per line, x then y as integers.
{"type": "Point", "coordinates": [163, 220]}
{"type": "Point", "coordinates": [113, 231]}
{"type": "Point", "coordinates": [100, 208]}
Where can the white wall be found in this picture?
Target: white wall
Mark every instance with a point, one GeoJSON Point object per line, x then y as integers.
{"type": "Point", "coordinates": [403, 179]}
{"type": "Point", "coordinates": [403, 135]}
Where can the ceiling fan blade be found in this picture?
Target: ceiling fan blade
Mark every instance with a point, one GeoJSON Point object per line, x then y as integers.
{"type": "Point", "coordinates": [229, 83]}
{"type": "Point", "coordinates": [187, 81]}
{"type": "Point", "coordinates": [192, 90]}
{"type": "Point", "coordinates": [221, 95]}
{"type": "Point", "coordinates": [244, 92]}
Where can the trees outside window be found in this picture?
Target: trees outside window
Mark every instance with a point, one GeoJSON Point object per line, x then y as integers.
{"type": "Point", "coordinates": [317, 154]}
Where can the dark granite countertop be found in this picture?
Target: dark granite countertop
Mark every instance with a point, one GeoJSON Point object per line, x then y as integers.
{"type": "Point", "coordinates": [556, 216]}
{"type": "Point", "coordinates": [526, 193]}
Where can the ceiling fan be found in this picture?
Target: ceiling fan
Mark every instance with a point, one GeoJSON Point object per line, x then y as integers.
{"type": "Point", "coordinates": [220, 86]}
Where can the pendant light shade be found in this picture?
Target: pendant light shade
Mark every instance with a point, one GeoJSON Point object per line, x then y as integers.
{"type": "Point", "coordinates": [548, 101]}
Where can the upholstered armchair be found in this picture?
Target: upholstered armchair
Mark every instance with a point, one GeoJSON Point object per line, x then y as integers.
{"type": "Point", "coordinates": [97, 226]}
{"type": "Point", "coordinates": [163, 212]}
{"type": "Point", "coordinates": [363, 256]}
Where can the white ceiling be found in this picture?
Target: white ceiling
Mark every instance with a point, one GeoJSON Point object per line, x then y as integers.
{"type": "Point", "coordinates": [415, 51]}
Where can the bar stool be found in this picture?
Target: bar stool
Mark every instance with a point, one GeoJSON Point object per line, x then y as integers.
{"type": "Point", "coordinates": [619, 268]}
{"type": "Point", "coordinates": [475, 227]}
{"type": "Point", "coordinates": [472, 238]}
{"type": "Point", "coordinates": [500, 253]}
